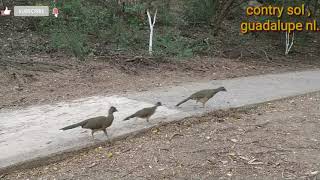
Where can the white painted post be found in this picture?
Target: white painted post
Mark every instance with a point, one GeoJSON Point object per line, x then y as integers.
{"type": "Point", "coordinates": [288, 44]}
{"type": "Point", "coordinates": [151, 24]}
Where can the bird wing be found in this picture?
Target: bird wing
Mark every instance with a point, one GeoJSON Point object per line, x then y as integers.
{"type": "Point", "coordinates": [95, 123]}
{"type": "Point", "coordinates": [200, 94]}
{"type": "Point", "coordinates": [144, 112]}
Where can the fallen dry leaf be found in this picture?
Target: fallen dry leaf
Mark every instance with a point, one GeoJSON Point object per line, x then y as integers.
{"type": "Point", "coordinates": [156, 130]}
{"type": "Point", "coordinates": [234, 140]}
{"type": "Point", "coordinates": [244, 158]}
{"type": "Point", "coordinates": [224, 162]}
{"type": "Point", "coordinates": [92, 165]}
{"type": "Point", "coordinates": [314, 173]}
{"type": "Point", "coordinates": [109, 154]}
{"type": "Point", "coordinates": [252, 162]}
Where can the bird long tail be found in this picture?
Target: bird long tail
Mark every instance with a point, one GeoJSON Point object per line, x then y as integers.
{"type": "Point", "coordinates": [73, 125]}
{"type": "Point", "coordinates": [185, 100]}
{"type": "Point", "coordinates": [129, 117]}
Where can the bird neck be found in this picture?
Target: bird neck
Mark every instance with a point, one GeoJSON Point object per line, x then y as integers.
{"type": "Point", "coordinates": [110, 114]}
{"type": "Point", "coordinates": [218, 90]}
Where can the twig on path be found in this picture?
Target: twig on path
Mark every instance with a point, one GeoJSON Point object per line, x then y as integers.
{"type": "Point", "coordinates": [174, 135]}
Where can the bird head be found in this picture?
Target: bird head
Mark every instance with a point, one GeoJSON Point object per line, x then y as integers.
{"type": "Point", "coordinates": [113, 109]}
{"type": "Point", "coordinates": [158, 104]}
{"type": "Point", "coordinates": [222, 89]}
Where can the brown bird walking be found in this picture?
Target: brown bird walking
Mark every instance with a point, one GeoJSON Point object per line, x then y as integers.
{"type": "Point", "coordinates": [145, 113]}
{"type": "Point", "coordinates": [203, 96]}
{"type": "Point", "coordinates": [96, 123]}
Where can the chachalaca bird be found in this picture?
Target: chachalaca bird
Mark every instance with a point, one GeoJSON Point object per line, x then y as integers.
{"type": "Point", "coordinates": [203, 96]}
{"type": "Point", "coordinates": [145, 113]}
{"type": "Point", "coordinates": [96, 123]}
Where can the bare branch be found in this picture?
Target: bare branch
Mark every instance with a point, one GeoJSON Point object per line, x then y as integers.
{"type": "Point", "coordinates": [154, 18]}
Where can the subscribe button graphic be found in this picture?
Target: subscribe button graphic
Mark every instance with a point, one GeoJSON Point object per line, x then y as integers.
{"type": "Point", "coordinates": [31, 11]}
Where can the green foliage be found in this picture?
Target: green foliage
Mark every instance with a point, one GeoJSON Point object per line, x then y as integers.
{"type": "Point", "coordinates": [75, 22]}
{"type": "Point", "coordinates": [123, 28]}
{"type": "Point", "coordinates": [166, 16]}
{"type": "Point", "coordinates": [68, 31]}
{"type": "Point", "coordinates": [134, 11]}
{"type": "Point", "coordinates": [73, 41]}
{"type": "Point", "coordinates": [82, 23]}
{"type": "Point", "coordinates": [272, 1]}
{"type": "Point", "coordinates": [171, 44]}
{"type": "Point", "coordinates": [201, 46]}
{"type": "Point", "coordinates": [200, 12]}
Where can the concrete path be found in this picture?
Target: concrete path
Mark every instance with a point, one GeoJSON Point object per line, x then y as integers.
{"type": "Point", "coordinates": [34, 131]}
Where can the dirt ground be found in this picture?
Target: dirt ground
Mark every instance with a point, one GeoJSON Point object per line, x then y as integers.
{"type": "Point", "coordinates": [41, 79]}
{"type": "Point", "coordinates": [276, 140]}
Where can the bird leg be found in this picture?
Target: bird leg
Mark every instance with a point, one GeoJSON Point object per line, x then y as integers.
{"type": "Point", "coordinates": [92, 132]}
{"type": "Point", "coordinates": [203, 101]}
{"type": "Point", "coordinates": [148, 119]}
{"type": "Point", "coordinates": [105, 132]}
{"type": "Point", "coordinates": [197, 101]}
